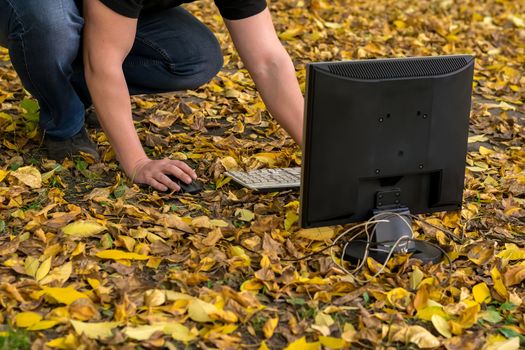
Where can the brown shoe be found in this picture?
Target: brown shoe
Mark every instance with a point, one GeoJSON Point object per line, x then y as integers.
{"type": "Point", "coordinates": [60, 149]}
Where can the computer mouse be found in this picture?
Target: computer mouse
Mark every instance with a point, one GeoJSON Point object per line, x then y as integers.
{"type": "Point", "coordinates": [194, 187]}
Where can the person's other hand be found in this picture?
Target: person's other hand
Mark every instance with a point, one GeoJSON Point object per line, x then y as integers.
{"type": "Point", "coordinates": [155, 173]}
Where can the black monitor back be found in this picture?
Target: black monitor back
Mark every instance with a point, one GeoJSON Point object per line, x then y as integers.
{"type": "Point", "coordinates": [384, 134]}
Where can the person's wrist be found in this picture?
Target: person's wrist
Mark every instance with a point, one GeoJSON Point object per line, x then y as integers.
{"type": "Point", "coordinates": [135, 168]}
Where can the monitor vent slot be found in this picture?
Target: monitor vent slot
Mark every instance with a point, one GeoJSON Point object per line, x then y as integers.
{"type": "Point", "coordinates": [398, 68]}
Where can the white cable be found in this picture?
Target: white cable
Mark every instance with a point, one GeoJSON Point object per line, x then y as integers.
{"type": "Point", "coordinates": [402, 238]}
{"type": "Point", "coordinates": [373, 220]}
{"type": "Point", "coordinates": [351, 239]}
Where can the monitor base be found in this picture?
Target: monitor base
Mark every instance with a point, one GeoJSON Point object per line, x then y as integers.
{"type": "Point", "coordinates": [391, 235]}
{"type": "Point", "coordinates": [356, 250]}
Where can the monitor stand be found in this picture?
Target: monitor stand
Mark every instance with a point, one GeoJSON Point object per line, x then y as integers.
{"type": "Point", "coordinates": [397, 229]}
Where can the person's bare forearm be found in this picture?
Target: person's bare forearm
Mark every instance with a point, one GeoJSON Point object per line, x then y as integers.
{"type": "Point", "coordinates": [278, 86]}
{"type": "Point", "coordinates": [271, 68]}
{"type": "Point", "coordinates": [108, 38]}
{"type": "Point", "coordinates": [111, 99]}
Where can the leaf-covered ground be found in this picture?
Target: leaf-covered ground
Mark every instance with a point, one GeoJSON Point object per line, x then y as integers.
{"type": "Point", "coordinates": [90, 261]}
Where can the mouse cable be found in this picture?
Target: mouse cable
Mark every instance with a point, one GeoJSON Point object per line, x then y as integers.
{"type": "Point", "coordinates": [369, 242]}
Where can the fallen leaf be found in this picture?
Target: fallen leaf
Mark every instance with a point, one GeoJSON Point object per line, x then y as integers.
{"type": "Point", "coordinates": [269, 327]}
{"type": "Point", "coordinates": [43, 270]}
{"type": "Point", "coordinates": [27, 319]}
{"type": "Point", "coordinates": [302, 344]}
{"type": "Point", "coordinates": [101, 330]}
{"type": "Point", "coordinates": [441, 326]}
{"type": "Point", "coordinates": [29, 176]}
{"type": "Point", "coordinates": [200, 311]}
{"type": "Point", "coordinates": [316, 234]}
{"type": "Point", "coordinates": [417, 335]}
{"type": "Point", "coordinates": [244, 214]}
{"type": "Point", "coordinates": [83, 229]}
{"type": "Point", "coordinates": [481, 293]}
{"type": "Point", "coordinates": [62, 295]}
{"type": "Point", "coordinates": [120, 255]}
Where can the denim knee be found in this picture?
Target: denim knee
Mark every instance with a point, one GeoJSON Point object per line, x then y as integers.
{"type": "Point", "coordinates": [209, 68]}
{"type": "Point", "coordinates": [207, 63]}
{"type": "Point", "coordinates": [51, 27]}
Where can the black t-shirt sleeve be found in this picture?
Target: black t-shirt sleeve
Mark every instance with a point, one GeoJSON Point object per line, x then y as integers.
{"type": "Point", "coordinates": [128, 8]}
{"type": "Point", "coordinates": [239, 9]}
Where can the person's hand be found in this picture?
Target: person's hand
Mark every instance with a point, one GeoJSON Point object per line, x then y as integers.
{"type": "Point", "coordinates": [155, 173]}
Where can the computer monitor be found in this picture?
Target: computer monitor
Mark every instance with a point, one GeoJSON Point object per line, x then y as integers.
{"type": "Point", "coordinates": [384, 134]}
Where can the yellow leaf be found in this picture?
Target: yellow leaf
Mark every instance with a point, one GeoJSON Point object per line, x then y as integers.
{"type": "Point", "coordinates": [200, 311]}
{"type": "Point", "coordinates": [42, 325]}
{"type": "Point", "coordinates": [154, 297]}
{"type": "Point", "coordinates": [317, 234]}
{"type": "Point", "coordinates": [153, 262]}
{"type": "Point", "coordinates": [399, 297]}
{"type": "Point", "coordinates": [290, 33]}
{"type": "Point", "coordinates": [518, 22]}
{"type": "Point", "coordinates": [478, 138]}
{"type": "Point", "coordinates": [429, 311]}
{"type": "Point", "coordinates": [218, 223]}
{"type": "Point", "coordinates": [3, 174]}
{"type": "Point", "coordinates": [417, 335]}
{"type": "Point", "coordinates": [60, 274]}
{"type": "Point", "coordinates": [174, 296]}
{"type": "Point", "coordinates": [508, 344]}
{"type": "Point", "coordinates": [27, 319]}
{"type": "Point", "coordinates": [441, 326]}
{"type": "Point", "coordinates": [61, 295]}
{"type": "Point", "coordinates": [512, 252]}
{"type": "Point", "coordinates": [180, 332]}
{"type": "Point", "coordinates": [331, 342]}
{"type": "Point", "coordinates": [143, 332]}
{"type": "Point", "coordinates": [269, 327]}
{"type": "Point", "coordinates": [468, 316]}
{"type": "Point", "coordinates": [43, 270]}
{"type": "Point", "coordinates": [349, 333]}
{"type": "Point", "coordinates": [176, 330]}
{"type": "Point", "coordinates": [291, 218]}
{"type": "Point", "coordinates": [301, 344]}
{"type": "Point", "coordinates": [400, 24]}
{"type": "Point", "coordinates": [31, 266]}
{"type": "Point", "coordinates": [322, 319]}
{"type": "Point", "coordinates": [229, 163]}
{"type": "Point", "coordinates": [101, 330]}
{"type": "Point", "coordinates": [484, 151]}
{"type": "Point", "coordinates": [120, 255]}
{"type": "Point", "coordinates": [416, 277]}
{"type": "Point", "coordinates": [481, 293]}
{"type": "Point", "coordinates": [263, 346]}
{"type": "Point", "coordinates": [29, 176]}
{"type": "Point", "coordinates": [144, 104]}
{"type": "Point", "coordinates": [67, 343]}
{"type": "Point", "coordinates": [83, 229]}
{"type": "Point", "coordinates": [499, 286]}
{"type": "Point", "coordinates": [79, 249]}
{"type": "Point", "coordinates": [244, 215]}
{"type": "Point", "coordinates": [251, 285]}
{"type": "Point", "coordinates": [83, 310]}
{"type": "Point", "coordinates": [267, 158]}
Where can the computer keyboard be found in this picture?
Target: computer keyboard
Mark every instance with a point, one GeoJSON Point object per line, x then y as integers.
{"type": "Point", "coordinates": [268, 179]}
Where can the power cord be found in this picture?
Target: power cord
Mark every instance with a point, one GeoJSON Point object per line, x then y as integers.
{"type": "Point", "coordinates": [382, 217]}
{"type": "Point", "coordinates": [374, 220]}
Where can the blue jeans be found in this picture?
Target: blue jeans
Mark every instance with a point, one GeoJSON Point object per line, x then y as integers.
{"type": "Point", "coordinates": [172, 51]}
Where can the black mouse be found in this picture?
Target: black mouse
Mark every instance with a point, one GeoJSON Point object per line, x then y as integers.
{"type": "Point", "coordinates": [194, 187]}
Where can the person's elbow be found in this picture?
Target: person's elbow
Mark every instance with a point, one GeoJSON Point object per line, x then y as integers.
{"type": "Point", "coordinates": [98, 67]}
{"type": "Point", "coordinates": [270, 64]}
